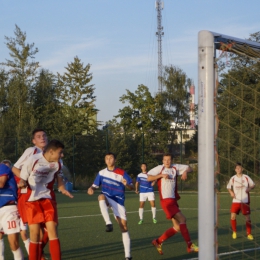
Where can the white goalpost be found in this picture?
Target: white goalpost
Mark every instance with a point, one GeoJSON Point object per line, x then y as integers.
{"type": "Point", "coordinates": [208, 43]}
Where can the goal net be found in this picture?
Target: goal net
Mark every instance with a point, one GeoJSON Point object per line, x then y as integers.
{"type": "Point", "coordinates": [229, 132]}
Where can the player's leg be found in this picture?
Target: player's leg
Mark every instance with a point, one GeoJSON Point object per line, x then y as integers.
{"type": "Point", "coordinates": [103, 204]}
{"type": "Point", "coordinates": [235, 209]}
{"type": "Point", "coordinates": [13, 240]}
{"type": "Point", "coordinates": [141, 209]}
{"type": "Point", "coordinates": [43, 239]}
{"type": "Point", "coordinates": [54, 241]}
{"type": "Point", "coordinates": [10, 223]}
{"type": "Point", "coordinates": [185, 232]}
{"type": "Point", "coordinates": [151, 198]}
{"type": "Point", "coordinates": [125, 236]}
{"type": "Point", "coordinates": [2, 246]}
{"type": "Point", "coordinates": [34, 247]}
{"type": "Point", "coordinates": [246, 212]}
{"type": "Point", "coordinates": [120, 216]}
{"type": "Point", "coordinates": [23, 234]}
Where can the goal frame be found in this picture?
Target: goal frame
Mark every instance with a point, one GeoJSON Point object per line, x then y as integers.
{"type": "Point", "coordinates": [208, 43]}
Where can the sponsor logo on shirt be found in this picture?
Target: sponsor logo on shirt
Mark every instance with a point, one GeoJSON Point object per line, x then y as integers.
{"type": "Point", "coordinates": [111, 182]}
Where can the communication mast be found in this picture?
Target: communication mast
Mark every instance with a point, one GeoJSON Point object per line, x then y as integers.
{"type": "Point", "coordinates": [159, 5]}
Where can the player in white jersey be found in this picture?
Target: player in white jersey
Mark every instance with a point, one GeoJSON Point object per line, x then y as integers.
{"type": "Point", "coordinates": [145, 192]}
{"type": "Point", "coordinates": [113, 181]}
{"type": "Point", "coordinates": [39, 174]}
{"type": "Point", "coordinates": [39, 139]}
{"type": "Point", "coordinates": [166, 176]}
{"type": "Point", "coordinates": [239, 187]}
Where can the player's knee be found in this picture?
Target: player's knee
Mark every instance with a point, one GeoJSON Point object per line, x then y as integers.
{"type": "Point", "coordinates": [101, 197]}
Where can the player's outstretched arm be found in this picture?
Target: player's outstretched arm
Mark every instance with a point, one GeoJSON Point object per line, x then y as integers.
{"type": "Point", "coordinates": [156, 177]}
{"type": "Point", "coordinates": [16, 171]}
{"type": "Point", "coordinates": [61, 187]}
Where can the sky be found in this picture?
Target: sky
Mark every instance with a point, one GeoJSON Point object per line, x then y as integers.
{"type": "Point", "coordinates": [117, 37]}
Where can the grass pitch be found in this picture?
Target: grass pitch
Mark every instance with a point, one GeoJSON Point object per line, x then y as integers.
{"type": "Point", "coordinates": [83, 237]}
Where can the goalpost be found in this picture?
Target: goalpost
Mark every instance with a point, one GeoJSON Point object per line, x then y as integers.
{"type": "Point", "coordinates": [208, 125]}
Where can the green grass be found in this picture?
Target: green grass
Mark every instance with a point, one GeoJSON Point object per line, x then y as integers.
{"type": "Point", "coordinates": [82, 230]}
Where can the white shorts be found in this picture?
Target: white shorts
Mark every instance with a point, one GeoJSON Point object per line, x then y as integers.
{"type": "Point", "coordinates": [9, 219]}
{"type": "Point", "coordinates": [147, 195]}
{"type": "Point", "coordinates": [118, 210]}
{"type": "Point", "coordinates": [22, 225]}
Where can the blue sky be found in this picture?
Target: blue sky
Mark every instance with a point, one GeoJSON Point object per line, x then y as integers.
{"type": "Point", "coordinates": [117, 37]}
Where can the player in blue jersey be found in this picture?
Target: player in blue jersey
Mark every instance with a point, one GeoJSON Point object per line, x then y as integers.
{"type": "Point", "coordinates": [9, 217]}
{"type": "Point", "coordinates": [145, 192]}
{"type": "Point", "coordinates": [113, 181]}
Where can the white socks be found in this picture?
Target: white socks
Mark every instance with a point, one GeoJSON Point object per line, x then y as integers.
{"type": "Point", "coordinates": [18, 255]}
{"type": "Point", "coordinates": [141, 212]}
{"type": "Point", "coordinates": [2, 249]}
{"type": "Point", "coordinates": [26, 244]}
{"type": "Point", "coordinates": [154, 212]}
{"type": "Point", "coordinates": [104, 211]}
{"type": "Point", "coordinates": [127, 243]}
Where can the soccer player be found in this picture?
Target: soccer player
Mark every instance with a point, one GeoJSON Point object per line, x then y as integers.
{"type": "Point", "coordinates": [166, 176]}
{"type": "Point", "coordinates": [146, 192]}
{"type": "Point", "coordinates": [40, 172]}
{"type": "Point", "coordinates": [9, 216]}
{"type": "Point", "coordinates": [39, 139]}
{"type": "Point", "coordinates": [113, 181]}
{"type": "Point", "coordinates": [239, 187]}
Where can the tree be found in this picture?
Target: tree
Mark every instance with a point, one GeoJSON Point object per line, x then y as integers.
{"type": "Point", "coordinates": [175, 100]}
{"type": "Point", "coordinates": [45, 102]}
{"type": "Point", "coordinates": [77, 98]}
{"type": "Point", "coordinates": [22, 70]}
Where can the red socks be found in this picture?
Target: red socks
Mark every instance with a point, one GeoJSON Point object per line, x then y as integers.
{"type": "Point", "coordinates": [45, 238]}
{"type": "Point", "coordinates": [248, 227]}
{"type": "Point", "coordinates": [55, 249]}
{"type": "Point", "coordinates": [167, 234]}
{"type": "Point", "coordinates": [233, 224]}
{"type": "Point", "coordinates": [185, 233]}
{"type": "Point", "coordinates": [34, 250]}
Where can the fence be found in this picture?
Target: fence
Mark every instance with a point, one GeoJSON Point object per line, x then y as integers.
{"type": "Point", "coordinates": [84, 154]}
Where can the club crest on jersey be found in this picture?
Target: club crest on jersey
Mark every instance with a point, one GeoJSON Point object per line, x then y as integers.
{"type": "Point", "coordinates": [52, 165]}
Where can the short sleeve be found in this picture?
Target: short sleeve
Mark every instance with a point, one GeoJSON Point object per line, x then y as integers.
{"type": "Point", "coordinates": [155, 171]}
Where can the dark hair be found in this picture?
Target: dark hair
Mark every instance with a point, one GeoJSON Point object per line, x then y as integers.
{"type": "Point", "coordinates": [144, 164]}
{"type": "Point", "coordinates": [110, 153]}
{"type": "Point", "coordinates": [168, 154]}
{"type": "Point", "coordinates": [36, 130]}
{"type": "Point", "coordinates": [238, 164]}
{"type": "Point", "coordinates": [54, 145]}
{"type": "Point", "coordinates": [7, 161]}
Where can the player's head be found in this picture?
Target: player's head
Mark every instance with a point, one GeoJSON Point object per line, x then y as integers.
{"type": "Point", "coordinates": [110, 159]}
{"type": "Point", "coordinates": [238, 168]}
{"type": "Point", "coordinates": [143, 167]}
{"type": "Point", "coordinates": [54, 150]}
{"type": "Point", "coordinates": [167, 160]}
{"type": "Point", "coordinates": [39, 138]}
{"type": "Point", "coordinates": [7, 163]}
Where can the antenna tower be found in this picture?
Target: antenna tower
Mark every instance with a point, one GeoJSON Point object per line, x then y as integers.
{"type": "Point", "coordinates": [159, 6]}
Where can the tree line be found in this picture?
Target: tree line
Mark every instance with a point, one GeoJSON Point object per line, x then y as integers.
{"type": "Point", "coordinates": [64, 105]}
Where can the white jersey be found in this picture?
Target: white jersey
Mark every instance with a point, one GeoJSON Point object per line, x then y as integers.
{"type": "Point", "coordinates": [240, 184]}
{"type": "Point", "coordinates": [27, 153]}
{"type": "Point", "coordinates": [40, 175]}
{"type": "Point", "coordinates": [167, 187]}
